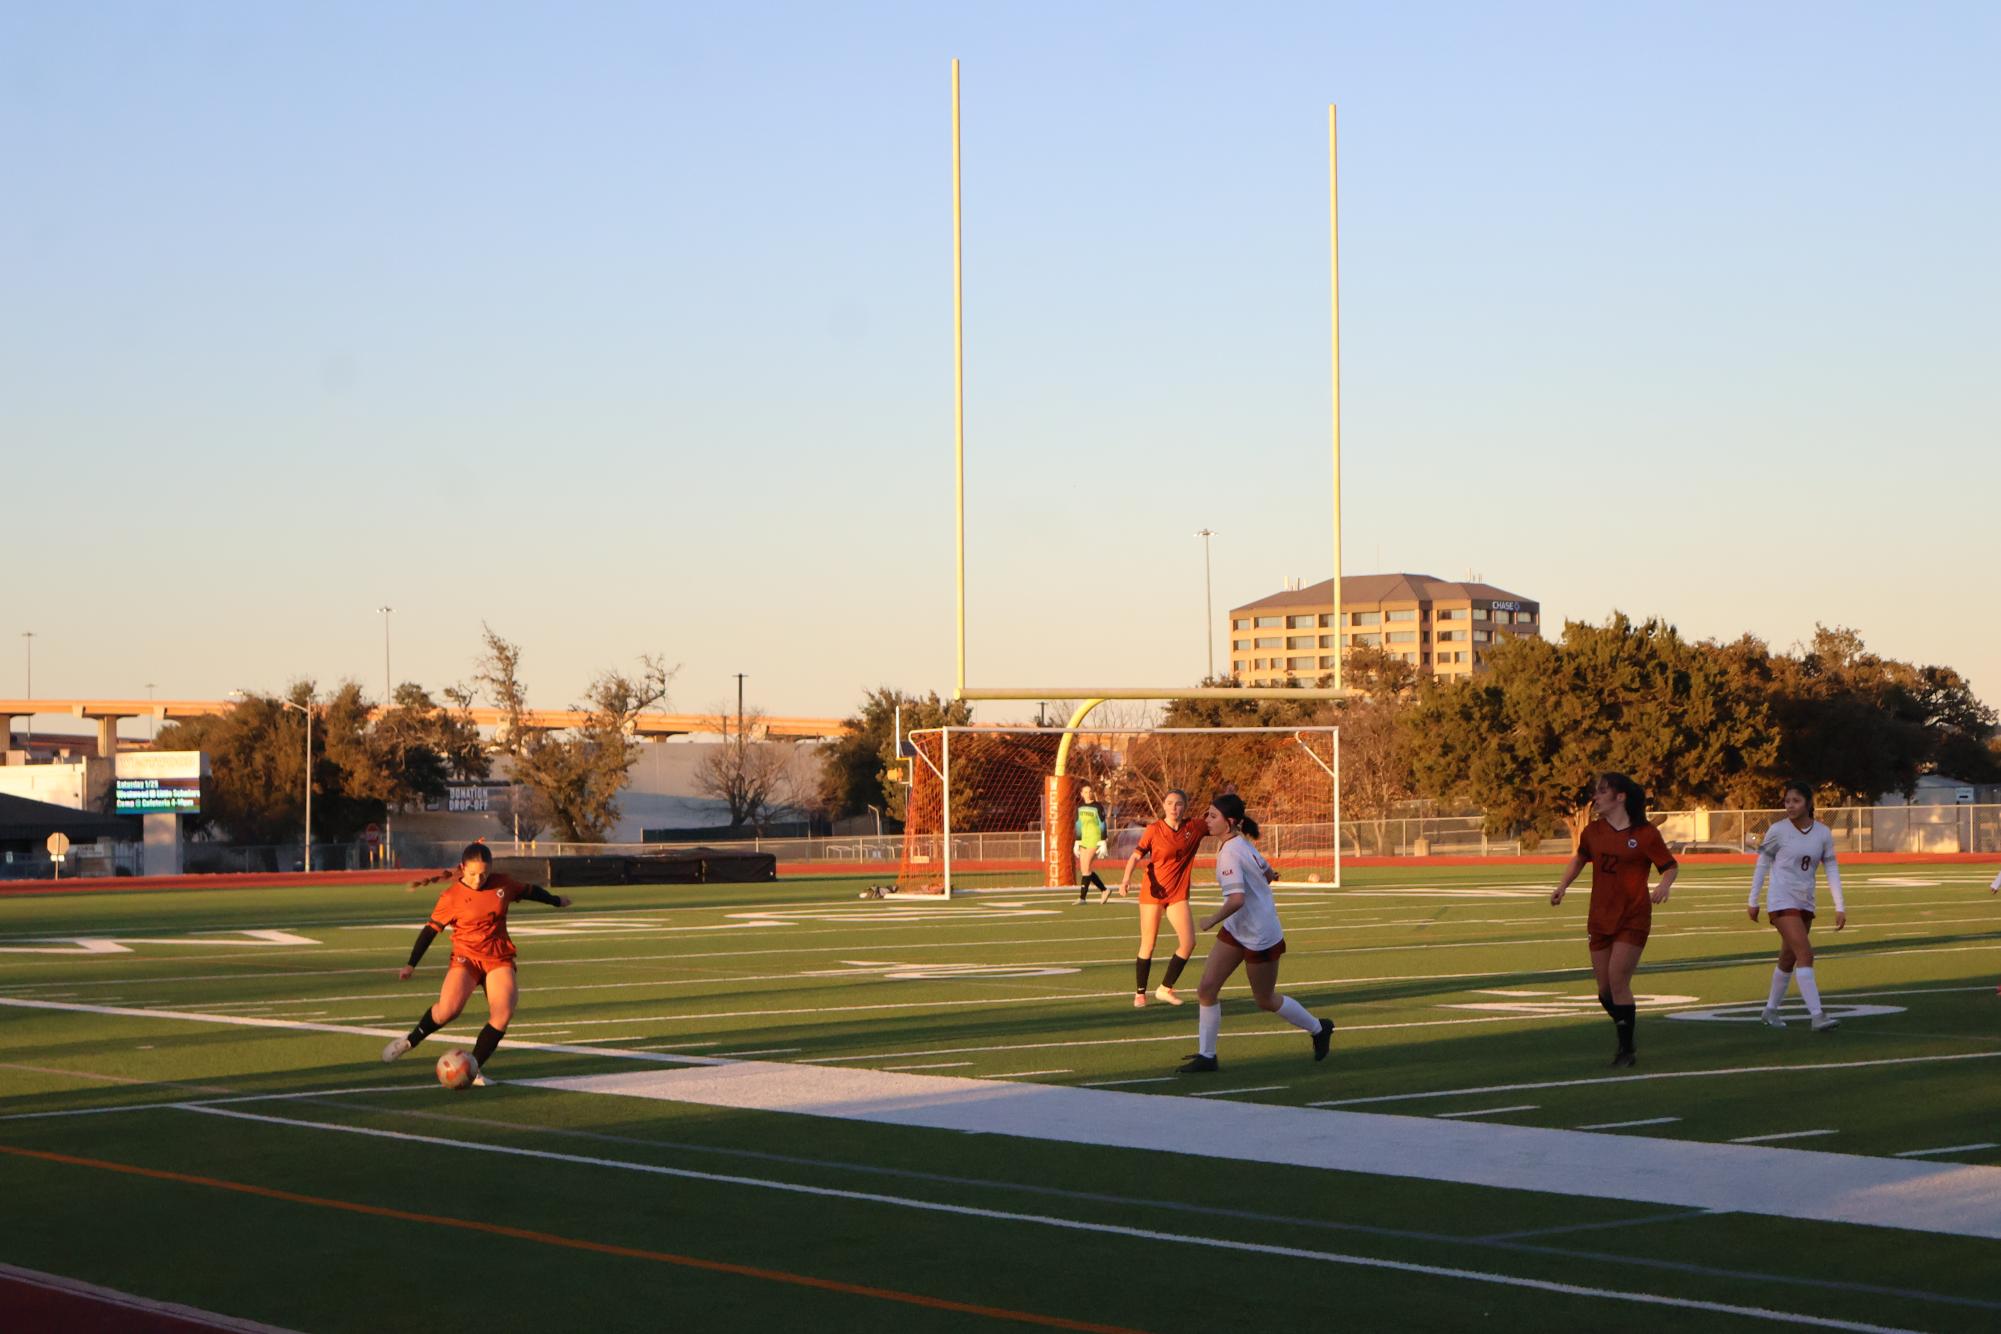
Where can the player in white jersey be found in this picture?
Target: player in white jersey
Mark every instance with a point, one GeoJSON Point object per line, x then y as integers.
{"type": "Point", "coordinates": [1253, 937]}
{"type": "Point", "coordinates": [1995, 888]}
{"type": "Point", "coordinates": [1792, 850]}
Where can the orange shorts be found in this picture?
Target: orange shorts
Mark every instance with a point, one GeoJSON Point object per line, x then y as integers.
{"type": "Point", "coordinates": [1628, 935]}
{"type": "Point", "coordinates": [1255, 956]}
{"type": "Point", "coordinates": [480, 967]}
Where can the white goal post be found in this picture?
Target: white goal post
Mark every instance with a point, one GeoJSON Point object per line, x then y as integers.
{"type": "Point", "coordinates": [987, 809]}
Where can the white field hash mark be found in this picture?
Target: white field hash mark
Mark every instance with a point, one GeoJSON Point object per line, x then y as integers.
{"type": "Point", "coordinates": [1076, 1225]}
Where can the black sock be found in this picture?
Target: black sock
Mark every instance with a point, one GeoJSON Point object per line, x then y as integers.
{"type": "Point", "coordinates": [1624, 1018]}
{"type": "Point", "coordinates": [489, 1038]}
{"type": "Point", "coordinates": [1174, 967]}
{"type": "Point", "coordinates": [1141, 967]}
{"type": "Point", "coordinates": [425, 1027]}
{"type": "Point", "coordinates": [1097, 882]}
{"type": "Point", "coordinates": [1605, 1000]}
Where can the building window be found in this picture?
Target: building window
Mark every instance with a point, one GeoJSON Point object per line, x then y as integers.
{"type": "Point", "coordinates": [1299, 622]}
{"type": "Point", "coordinates": [1402, 636]}
{"type": "Point", "coordinates": [1241, 623]}
{"type": "Point", "coordinates": [1525, 618]}
{"type": "Point", "coordinates": [1504, 618]}
{"type": "Point", "coordinates": [1328, 662]}
{"type": "Point", "coordinates": [1480, 613]}
{"type": "Point", "coordinates": [1402, 613]}
{"type": "Point", "coordinates": [1299, 664]}
{"type": "Point", "coordinates": [1364, 641]}
{"type": "Point", "coordinates": [1327, 641]}
{"type": "Point", "coordinates": [1365, 618]}
{"type": "Point", "coordinates": [1482, 636]}
{"type": "Point", "coordinates": [1271, 641]}
{"type": "Point", "coordinates": [1451, 636]}
{"type": "Point", "coordinates": [1453, 614]}
{"type": "Point", "coordinates": [1271, 622]}
{"type": "Point", "coordinates": [1326, 619]}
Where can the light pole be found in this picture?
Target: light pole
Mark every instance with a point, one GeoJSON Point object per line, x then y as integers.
{"type": "Point", "coordinates": [1208, 600]}
{"type": "Point", "coordinates": [388, 814]}
{"type": "Point", "coordinates": [28, 647]}
{"type": "Point", "coordinates": [155, 731]}
{"type": "Point", "coordinates": [739, 709]}
{"type": "Point", "coordinates": [307, 713]}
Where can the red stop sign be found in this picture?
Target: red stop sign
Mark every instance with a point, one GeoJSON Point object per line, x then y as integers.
{"type": "Point", "coordinates": [372, 834]}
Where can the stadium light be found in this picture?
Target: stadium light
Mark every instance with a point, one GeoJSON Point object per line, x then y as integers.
{"type": "Point", "coordinates": [1208, 599]}
{"type": "Point", "coordinates": [308, 713]}
{"type": "Point", "coordinates": [28, 648]}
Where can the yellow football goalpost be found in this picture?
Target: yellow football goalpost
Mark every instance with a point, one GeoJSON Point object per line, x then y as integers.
{"type": "Point", "coordinates": [1060, 801]}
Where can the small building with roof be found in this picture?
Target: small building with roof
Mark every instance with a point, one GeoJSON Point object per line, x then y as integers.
{"type": "Point", "coordinates": [1441, 627]}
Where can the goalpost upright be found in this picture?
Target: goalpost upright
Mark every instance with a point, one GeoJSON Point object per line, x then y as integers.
{"type": "Point", "coordinates": [1092, 696]}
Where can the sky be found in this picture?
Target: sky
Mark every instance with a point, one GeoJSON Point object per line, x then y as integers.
{"type": "Point", "coordinates": [626, 329]}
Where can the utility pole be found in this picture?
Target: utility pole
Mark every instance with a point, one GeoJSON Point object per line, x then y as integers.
{"type": "Point", "coordinates": [739, 709]}
{"type": "Point", "coordinates": [155, 735]}
{"type": "Point", "coordinates": [1208, 599]}
{"type": "Point", "coordinates": [388, 812]}
{"type": "Point", "coordinates": [28, 645]}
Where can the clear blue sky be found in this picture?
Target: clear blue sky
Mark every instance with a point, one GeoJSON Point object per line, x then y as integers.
{"type": "Point", "coordinates": [626, 328]}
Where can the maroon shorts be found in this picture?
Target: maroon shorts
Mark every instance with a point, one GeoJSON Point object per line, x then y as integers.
{"type": "Point", "coordinates": [1776, 913]}
{"type": "Point", "coordinates": [1255, 956]}
{"type": "Point", "coordinates": [1630, 935]}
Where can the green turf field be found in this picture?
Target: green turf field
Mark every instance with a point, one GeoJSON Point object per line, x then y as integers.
{"type": "Point", "coordinates": [245, 1151]}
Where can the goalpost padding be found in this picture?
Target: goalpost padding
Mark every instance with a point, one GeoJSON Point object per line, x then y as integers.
{"type": "Point", "coordinates": [987, 810]}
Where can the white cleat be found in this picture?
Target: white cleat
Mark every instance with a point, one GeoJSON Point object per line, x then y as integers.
{"type": "Point", "coordinates": [395, 1049]}
{"type": "Point", "coordinates": [1772, 1020]}
{"type": "Point", "coordinates": [1823, 1022]}
{"type": "Point", "coordinates": [480, 1081]}
{"type": "Point", "coordinates": [1163, 992]}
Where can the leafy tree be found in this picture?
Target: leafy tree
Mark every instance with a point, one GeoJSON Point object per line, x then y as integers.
{"type": "Point", "coordinates": [855, 765]}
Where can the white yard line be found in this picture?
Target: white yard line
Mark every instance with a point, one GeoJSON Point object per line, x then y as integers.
{"type": "Point", "coordinates": [1024, 1074]}
{"type": "Point", "coordinates": [939, 1065]}
{"type": "Point", "coordinates": [1787, 1134]}
{"type": "Point", "coordinates": [1079, 1225]}
{"type": "Point", "coordinates": [1949, 1198]}
{"type": "Point", "coordinates": [1230, 1093]}
{"type": "Point", "coordinates": [1630, 1125]}
{"type": "Point", "coordinates": [1950, 1148]}
{"type": "Point", "coordinates": [1113, 1083]}
{"type": "Point", "coordinates": [1489, 1111]}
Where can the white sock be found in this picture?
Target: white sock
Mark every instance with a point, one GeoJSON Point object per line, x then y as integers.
{"type": "Point", "coordinates": [1208, 1023]}
{"type": "Point", "coordinates": [1781, 980]}
{"type": "Point", "coordinates": [1295, 1014]}
{"type": "Point", "coordinates": [1811, 990]}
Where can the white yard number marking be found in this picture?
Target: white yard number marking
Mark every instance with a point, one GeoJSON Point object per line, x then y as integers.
{"type": "Point", "coordinates": [1746, 1014]}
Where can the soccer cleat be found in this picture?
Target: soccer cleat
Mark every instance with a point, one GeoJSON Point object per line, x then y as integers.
{"type": "Point", "coordinates": [1199, 1065]}
{"type": "Point", "coordinates": [1823, 1022]}
{"type": "Point", "coordinates": [1106, 897]}
{"type": "Point", "coordinates": [1163, 992]}
{"type": "Point", "coordinates": [1139, 1000]}
{"type": "Point", "coordinates": [1624, 1058]}
{"type": "Point", "coordinates": [395, 1049]}
{"type": "Point", "coordinates": [480, 1081]}
{"type": "Point", "coordinates": [1771, 1018]}
{"type": "Point", "coordinates": [1323, 1039]}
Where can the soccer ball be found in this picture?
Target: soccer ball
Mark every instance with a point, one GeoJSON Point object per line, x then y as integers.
{"type": "Point", "coordinates": [1313, 877]}
{"type": "Point", "coordinates": [457, 1069]}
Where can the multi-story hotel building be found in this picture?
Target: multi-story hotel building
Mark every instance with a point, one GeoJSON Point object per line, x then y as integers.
{"type": "Point", "coordinates": [1436, 625]}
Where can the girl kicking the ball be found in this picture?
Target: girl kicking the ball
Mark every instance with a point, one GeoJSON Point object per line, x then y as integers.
{"type": "Point", "coordinates": [1253, 938]}
{"type": "Point", "coordinates": [474, 908]}
{"type": "Point", "coordinates": [1788, 855]}
{"type": "Point", "coordinates": [1618, 846]}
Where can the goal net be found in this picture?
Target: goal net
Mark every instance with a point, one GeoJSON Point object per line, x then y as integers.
{"type": "Point", "coordinates": [987, 808]}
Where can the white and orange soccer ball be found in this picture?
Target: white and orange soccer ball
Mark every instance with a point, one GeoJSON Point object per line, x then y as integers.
{"type": "Point", "coordinates": [457, 1069]}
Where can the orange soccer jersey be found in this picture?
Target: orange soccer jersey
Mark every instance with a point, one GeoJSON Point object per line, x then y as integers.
{"type": "Point", "coordinates": [1619, 859]}
{"type": "Point", "coordinates": [478, 917]}
{"type": "Point", "coordinates": [1171, 854]}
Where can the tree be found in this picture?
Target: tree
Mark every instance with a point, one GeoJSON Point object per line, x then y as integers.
{"type": "Point", "coordinates": [854, 766]}
{"type": "Point", "coordinates": [1523, 740]}
{"type": "Point", "coordinates": [754, 778]}
{"type": "Point", "coordinates": [575, 773]}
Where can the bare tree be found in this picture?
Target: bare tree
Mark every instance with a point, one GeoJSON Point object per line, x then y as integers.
{"type": "Point", "coordinates": [754, 778]}
{"type": "Point", "coordinates": [576, 774]}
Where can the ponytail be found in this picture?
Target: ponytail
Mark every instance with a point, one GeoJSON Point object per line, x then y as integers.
{"type": "Point", "coordinates": [1231, 806]}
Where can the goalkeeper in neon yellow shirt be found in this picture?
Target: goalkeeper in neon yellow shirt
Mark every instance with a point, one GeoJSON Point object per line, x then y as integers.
{"type": "Point", "coordinates": [1094, 829]}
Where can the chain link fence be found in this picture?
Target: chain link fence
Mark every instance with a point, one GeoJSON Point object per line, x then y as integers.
{"type": "Point", "coordinates": [1925, 830]}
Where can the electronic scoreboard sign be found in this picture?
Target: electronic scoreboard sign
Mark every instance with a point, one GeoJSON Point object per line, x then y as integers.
{"type": "Point", "coordinates": [160, 782]}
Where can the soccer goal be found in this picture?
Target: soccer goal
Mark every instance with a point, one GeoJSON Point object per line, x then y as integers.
{"type": "Point", "coordinates": [995, 808]}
